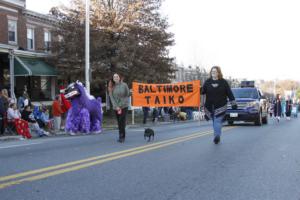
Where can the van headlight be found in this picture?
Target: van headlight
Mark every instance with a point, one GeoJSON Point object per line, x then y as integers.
{"type": "Point", "coordinates": [254, 104]}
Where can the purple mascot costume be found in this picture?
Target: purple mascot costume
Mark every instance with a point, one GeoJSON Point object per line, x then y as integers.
{"type": "Point", "coordinates": [85, 115]}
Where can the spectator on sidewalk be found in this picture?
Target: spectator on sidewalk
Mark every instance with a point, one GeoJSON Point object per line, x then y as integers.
{"type": "Point", "coordinates": [65, 106]}
{"type": "Point", "coordinates": [2, 113]}
{"type": "Point", "coordinates": [146, 113]}
{"type": "Point", "coordinates": [33, 125]}
{"type": "Point", "coordinates": [57, 112]}
{"type": "Point", "coordinates": [189, 113]}
{"type": "Point", "coordinates": [155, 115]}
{"type": "Point", "coordinates": [13, 112]}
{"type": "Point", "coordinates": [45, 116]}
{"type": "Point", "coordinates": [37, 116]}
{"type": "Point", "coordinates": [5, 97]}
{"type": "Point", "coordinates": [23, 101]}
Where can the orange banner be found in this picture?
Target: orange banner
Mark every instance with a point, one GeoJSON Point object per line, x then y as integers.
{"type": "Point", "coordinates": [166, 95]}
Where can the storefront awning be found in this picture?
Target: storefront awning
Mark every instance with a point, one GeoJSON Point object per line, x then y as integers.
{"type": "Point", "coordinates": [27, 66]}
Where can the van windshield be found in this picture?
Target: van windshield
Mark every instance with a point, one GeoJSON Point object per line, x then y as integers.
{"type": "Point", "coordinates": [245, 93]}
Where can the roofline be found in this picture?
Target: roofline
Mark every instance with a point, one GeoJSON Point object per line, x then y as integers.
{"type": "Point", "coordinates": [36, 15]}
{"type": "Point", "coordinates": [4, 48]}
{"type": "Point", "coordinates": [30, 54]}
{"type": "Point", "coordinates": [18, 3]}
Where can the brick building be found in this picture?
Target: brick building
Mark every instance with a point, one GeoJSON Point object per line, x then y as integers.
{"type": "Point", "coordinates": [25, 39]}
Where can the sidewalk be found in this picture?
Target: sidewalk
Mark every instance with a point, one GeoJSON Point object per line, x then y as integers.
{"type": "Point", "coordinates": [5, 138]}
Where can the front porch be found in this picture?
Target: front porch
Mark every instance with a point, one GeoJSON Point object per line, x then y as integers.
{"type": "Point", "coordinates": [29, 71]}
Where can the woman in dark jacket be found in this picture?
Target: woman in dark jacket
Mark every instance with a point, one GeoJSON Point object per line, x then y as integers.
{"type": "Point", "coordinates": [277, 108]}
{"type": "Point", "coordinates": [2, 113]}
{"type": "Point", "coordinates": [33, 125]}
{"type": "Point", "coordinates": [288, 108]}
{"type": "Point", "coordinates": [217, 91]}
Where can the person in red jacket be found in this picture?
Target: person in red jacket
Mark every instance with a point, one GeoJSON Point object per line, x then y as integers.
{"type": "Point", "coordinates": [57, 112]}
{"type": "Point", "coordinates": [65, 105]}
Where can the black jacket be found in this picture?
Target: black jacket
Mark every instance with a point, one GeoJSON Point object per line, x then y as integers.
{"type": "Point", "coordinates": [2, 108]}
{"type": "Point", "coordinates": [26, 116]}
{"type": "Point", "coordinates": [277, 108]}
{"type": "Point", "coordinates": [217, 92]}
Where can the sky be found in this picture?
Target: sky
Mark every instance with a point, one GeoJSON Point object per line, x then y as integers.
{"type": "Point", "coordinates": [257, 39]}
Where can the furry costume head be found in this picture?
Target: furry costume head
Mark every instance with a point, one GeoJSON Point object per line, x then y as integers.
{"type": "Point", "coordinates": [72, 91]}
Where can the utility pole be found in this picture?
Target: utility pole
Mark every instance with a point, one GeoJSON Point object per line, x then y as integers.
{"type": "Point", "coordinates": [12, 73]}
{"type": "Point", "coordinates": [274, 88]}
{"type": "Point", "coordinates": [87, 45]}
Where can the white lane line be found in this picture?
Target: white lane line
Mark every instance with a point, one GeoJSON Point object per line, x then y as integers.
{"type": "Point", "coordinates": [20, 145]}
{"type": "Point", "coordinates": [137, 130]}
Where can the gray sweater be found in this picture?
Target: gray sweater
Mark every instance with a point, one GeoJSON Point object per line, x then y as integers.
{"type": "Point", "coordinates": [120, 96]}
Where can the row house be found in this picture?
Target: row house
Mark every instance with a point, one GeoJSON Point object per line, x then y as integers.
{"type": "Point", "coordinates": [25, 40]}
{"type": "Point", "coordinates": [183, 74]}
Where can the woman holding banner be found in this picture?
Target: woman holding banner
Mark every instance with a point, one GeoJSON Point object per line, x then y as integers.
{"type": "Point", "coordinates": [216, 91]}
{"type": "Point", "coordinates": [119, 96]}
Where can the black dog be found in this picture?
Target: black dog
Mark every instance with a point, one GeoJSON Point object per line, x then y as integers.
{"type": "Point", "coordinates": [148, 133]}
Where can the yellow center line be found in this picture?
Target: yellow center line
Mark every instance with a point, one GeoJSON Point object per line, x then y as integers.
{"type": "Point", "coordinates": [5, 178]}
{"type": "Point", "coordinates": [96, 161]}
{"type": "Point", "coordinates": [78, 167]}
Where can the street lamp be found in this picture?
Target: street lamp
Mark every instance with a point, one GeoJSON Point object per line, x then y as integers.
{"type": "Point", "coordinates": [87, 45]}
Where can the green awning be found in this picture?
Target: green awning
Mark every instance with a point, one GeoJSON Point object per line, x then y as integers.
{"type": "Point", "coordinates": [25, 66]}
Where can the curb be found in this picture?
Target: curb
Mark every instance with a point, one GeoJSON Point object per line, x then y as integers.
{"type": "Point", "coordinates": [18, 137]}
{"type": "Point", "coordinates": [11, 138]}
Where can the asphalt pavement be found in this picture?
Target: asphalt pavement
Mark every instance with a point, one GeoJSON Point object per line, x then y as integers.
{"type": "Point", "coordinates": [182, 162]}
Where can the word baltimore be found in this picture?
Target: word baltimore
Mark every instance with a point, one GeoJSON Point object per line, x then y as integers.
{"type": "Point", "coordinates": [165, 94]}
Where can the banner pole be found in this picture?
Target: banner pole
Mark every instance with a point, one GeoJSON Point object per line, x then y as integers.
{"type": "Point", "coordinates": [199, 101]}
{"type": "Point", "coordinates": [132, 111]}
{"type": "Point", "coordinates": [199, 115]}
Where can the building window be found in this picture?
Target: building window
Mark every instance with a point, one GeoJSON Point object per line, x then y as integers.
{"type": "Point", "coordinates": [12, 31]}
{"type": "Point", "coordinates": [47, 40]}
{"type": "Point", "coordinates": [41, 88]}
{"type": "Point", "coordinates": [45, 88]}
{"type": "Point", "coordinates": [30, 38]}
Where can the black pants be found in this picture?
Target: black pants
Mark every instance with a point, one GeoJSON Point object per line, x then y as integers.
{"type": "Point", "coordinates": [122, 122]}
{"type": "Point", "coordinates": [146, 113]}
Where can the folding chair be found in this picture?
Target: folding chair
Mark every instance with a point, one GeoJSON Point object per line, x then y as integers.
{"type": "Point", "coordinates": [10, 126]}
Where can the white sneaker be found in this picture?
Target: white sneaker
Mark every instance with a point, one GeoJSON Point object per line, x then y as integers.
{"type": "Point", "coordinates": [46, 133]}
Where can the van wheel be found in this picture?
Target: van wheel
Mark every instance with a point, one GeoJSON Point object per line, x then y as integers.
{"type": "Point", "coordinates": [258, 121]}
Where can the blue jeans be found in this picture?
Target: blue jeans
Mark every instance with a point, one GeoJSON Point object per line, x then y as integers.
{"type": "Point", "coordinates": [189, 113]}
{"type": "Point", "coordinates": [217, 125]}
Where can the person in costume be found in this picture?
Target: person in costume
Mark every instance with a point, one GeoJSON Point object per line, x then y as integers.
{"type": "Point", "coordinates": [85, 114]}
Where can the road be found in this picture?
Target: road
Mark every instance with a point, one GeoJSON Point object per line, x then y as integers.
{"type": "Point", "coordinates": [255, 163]}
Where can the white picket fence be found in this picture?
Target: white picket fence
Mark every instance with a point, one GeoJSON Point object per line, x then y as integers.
{"type": "Point", "coordinates": [198, 115]}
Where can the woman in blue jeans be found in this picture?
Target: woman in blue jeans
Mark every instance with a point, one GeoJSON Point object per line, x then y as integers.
{"type": "Point", "coordinates": [217, 91]}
